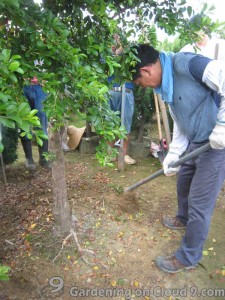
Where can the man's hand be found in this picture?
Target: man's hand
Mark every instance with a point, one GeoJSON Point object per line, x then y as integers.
{"type": "Point", "coordinates": [217, 137]}
{"type": "Point", "coordinates": [170, 159]}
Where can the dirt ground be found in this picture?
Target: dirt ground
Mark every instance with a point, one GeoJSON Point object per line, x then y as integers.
{"type": "Point", "coordinates": [124, 232]}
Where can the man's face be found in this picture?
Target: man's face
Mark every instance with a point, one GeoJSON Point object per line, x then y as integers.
{"type": "Point", "coordinates": [151, 76]}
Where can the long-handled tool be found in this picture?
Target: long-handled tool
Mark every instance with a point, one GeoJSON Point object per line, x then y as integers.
{"type": "Point", "coordinates": [165, 119]}
{"type": "Point", "coordinates": [162, 142]}
{"type": "Point", "coordinates": [182, 160]}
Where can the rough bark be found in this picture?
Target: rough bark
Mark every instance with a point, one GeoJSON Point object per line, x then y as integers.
{"type": "Point", "coordinates": [62, 211]}
{"type": "Point", "coordinates": [88, 129]}
{"type": "Point", "coordinates": [141, 128]}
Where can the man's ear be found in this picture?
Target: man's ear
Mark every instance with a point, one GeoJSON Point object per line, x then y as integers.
{"type": "Point", "coordinates": [146, 69]}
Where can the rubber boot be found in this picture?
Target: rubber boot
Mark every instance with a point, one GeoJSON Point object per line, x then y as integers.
{"type": "Point", "coordinates": [42, 161]}
{"type": "Point", "coordinates": [27, 148]}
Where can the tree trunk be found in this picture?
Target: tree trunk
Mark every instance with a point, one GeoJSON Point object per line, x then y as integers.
{"type": "Point", "coordinates": [88, 129]}
{"type": "Point", "coordinates": [61, 211]}
{"type": "Point", "coordinates": [141, 128]}
{"type": "Point", "coordinates": [140, 132]}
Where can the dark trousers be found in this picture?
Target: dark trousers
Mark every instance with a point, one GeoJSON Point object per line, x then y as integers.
{"type": "Point", "coordinates": [198, 185]}
{"type": "Point", "coordinates": [115, 102]}
{"type": "Point", "coordinates": [35, 97]}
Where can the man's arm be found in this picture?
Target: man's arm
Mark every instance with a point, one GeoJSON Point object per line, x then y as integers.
{"type": "Point", "coordinates": [214, 78]}
{"type": "Point", "coordinates": [177, 147]}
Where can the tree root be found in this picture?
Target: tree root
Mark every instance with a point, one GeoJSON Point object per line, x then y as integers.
{"type": "Point", "coordinates": [81, 251]}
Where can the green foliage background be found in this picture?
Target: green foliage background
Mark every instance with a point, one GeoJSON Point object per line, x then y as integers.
{"type": "Point", "coordinates": [70, 37]}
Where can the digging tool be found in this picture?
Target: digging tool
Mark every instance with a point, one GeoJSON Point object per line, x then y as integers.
{"type": "Point", "coordinates": [165, 119]}
{"type": "Point", "coordinates": [162, 142]}
{"type": "Point", "coordinates": [182, 160]}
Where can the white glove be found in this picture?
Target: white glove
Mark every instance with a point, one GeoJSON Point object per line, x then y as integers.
{"type": "Point", "coordinates": [217, 137]}
{"type": "Point", "coordinates": [170, 159]}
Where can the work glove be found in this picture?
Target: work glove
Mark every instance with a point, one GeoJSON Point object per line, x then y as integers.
{"type": "Point", "coordinates": [217, 137]}
{"type": "Point", "coordinates": [170, 159]}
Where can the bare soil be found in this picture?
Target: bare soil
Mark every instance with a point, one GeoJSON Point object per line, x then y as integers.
{"type": "Point", "coordinates": [123, 230]}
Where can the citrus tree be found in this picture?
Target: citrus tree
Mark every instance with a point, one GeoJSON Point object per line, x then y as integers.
{"type": "Point", "coordinates": [72, 39]}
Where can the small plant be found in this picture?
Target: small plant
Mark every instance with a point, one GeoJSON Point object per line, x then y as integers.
{"type": "Point", "coordinates": [49, 156]}
{"type": "Point", "coordinates": [4, 272]}
{"type": "Point", "coordinates": [117, 188]}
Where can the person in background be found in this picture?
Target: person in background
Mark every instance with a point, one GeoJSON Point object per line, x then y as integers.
{"type": "Point", "coordinates": [115, 102]}
{"type": "Point", "coordinates": [35, 96]}
{"type": "Point", "coordinates": [188, 83]}
{"type": "Point", "coordinates": [210, 47]}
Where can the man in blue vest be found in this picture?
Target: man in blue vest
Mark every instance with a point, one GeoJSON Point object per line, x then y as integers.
{"type": "Point", "coordinates": [190, 84]}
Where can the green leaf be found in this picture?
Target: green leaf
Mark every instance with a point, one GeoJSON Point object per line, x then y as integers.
{"type": "Point", "coordinates": [22, 134]}
{"type": "Point", "coordinates": [33, 112]}
{"type": "Point", "coordinates": [35, 121]}
{"type": "Point", "coordinates": [11, 109]}
{"type": "Point", "coordinates": [103, 90]}
{"type": "Point", "coordinates": [19, 70]}
{"type": "Point", "coordinates": [4, 272]}
{"type": "Point", "coordinates": [14, 57]}
{"type": "Point", "coordinates": [25, 127]}
{"type": "Point", "coordinates": [41, 134]}
{"type": "Point", "coordinates": [22, 107]}
{"type": "Point", "coordinates": [189, 10]}
{"type": "Point", "coordinates": [17, 119]}
{"type": "Point", "coordinates": [65, 79]}
{"type": "Point", "coordinates": [6, 55]}
{"type": "Point", "coordinates": [13, 3]}
{"type": "Point", "coordinates": [4, 97]}
{"type": "Point", "coordinates": [7, 122]}
{"type": "Point", "coordinates": [4, 277]}
{"type": "Point", "coordinates": [14, 66]}
{"type": "Point", "coordinates": [29, 135]}
{"type": "Point", "coordinates": [13, 78]}
{"type": "Point", "coordinates": [39, 141]}
{"type": "Point", "coordinates": [65, 33]}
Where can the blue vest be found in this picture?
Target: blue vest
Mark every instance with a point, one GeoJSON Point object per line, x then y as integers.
{"type": "Point", "coordinates": [193, 106]}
